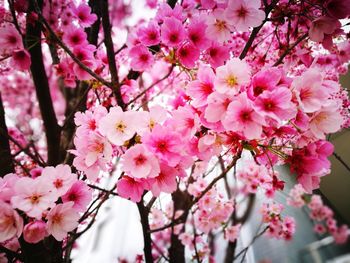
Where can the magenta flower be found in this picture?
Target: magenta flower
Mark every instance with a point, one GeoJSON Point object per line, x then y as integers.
{"type": "Point", "coordinates": [20, 59]}
{"type": "Point", "coordinates": [165, 181]}
{"type": "Point", "coordinates": [172, 32]}
{"type": "Point", "coordinates": [165, 144]}
{"type": "Point", "coordinates": [188, 54]}
{"type": "Point", "coordinates": [217, 54]}
{"type": "Point", "coordinates": [80, 194]}
{"type": "Point", "coordinates": [242, 118]}
{"type": "Point", "coordinates": [196, 34]}
{"type": "Point", "coordinates": [128, 187]}
{"type": "Point", "coordinates": [10, 39]}
{"type": "Point", "coordinates": [150, 35]}
{"type": "Point", "coordinates": [83, 14]}
{"type": "Point", "coordinates": [74, 37]}
{"type": "Point", "coordinates": [141, 58]}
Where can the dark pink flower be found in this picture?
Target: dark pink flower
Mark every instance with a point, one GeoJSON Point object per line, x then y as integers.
{"type": "Point", "coordinates": [188, 54]}
{"type": "Point", "coordinates": [141, 58]}
{"type": "Point", "coordinates": [172, 32]}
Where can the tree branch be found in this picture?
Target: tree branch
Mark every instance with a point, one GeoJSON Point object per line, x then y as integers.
{"type": "Point", "coordinates": [106, 24]}
{"type": "Point", "coordinates": [147, 240]}
{"type": "Point", "coordinates": [52, 129]}
{"type": "Point", "coordinates": [6, 164]}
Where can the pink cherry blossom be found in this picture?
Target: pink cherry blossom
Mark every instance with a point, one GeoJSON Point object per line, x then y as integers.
{"type": "Point", "coordinates": [188, 54]}
{"type": "Point", "coordinates": [60, 177]}
{"type": "Point", "coordinates": [140, 163]}
{"type": "Point", "coordinates": [74, 37]}
{"type": "Point", "coordinates": [276, 104]}
{"type": "Point", "coordinates": [128, 187]}
{"type": "Point", "coordinates": [326, 120]}
{"type": "Point", "coordinates": [217, 106]}
{"type": "Point", "coordinates": [118, 126]}
{"type": "Point", "coordinates": [309, 91]}
{"type": "Point", "coordinates": [84, 16]}
{"type": "Point", "coordinates": [232, 232]}
{"type": "Point", "coordinates": [165, 181]}
{"type": "Point", "coordinates": [219, 27]}
{"type": "Point", "coordinates": [196, 34]}
{"type": "Point", "coordinates": [241, 117]}
{"type": "Point", "coordinates": [61, 219]}
{"type": "Point", "coordinates": [10, 39]}
{"type": "Point", "coordinates": [141, 58]}
{"type": "Point", "coordinates": [217, 54]}
{"type": "Point", "coordinates": [35, 231]}
{"type": "Point", "coordinates": [323, 26]}
{"type": "Point", "coordinates": [80, 194]}
{"type": "Point", "coordinates": [11, 224]}
{"type": "Point", "coordinates": [149, 35]}
{"type": "Point", "coordinates": [244, 14]}
{"type": "Point", "coordinates": [172, 32]}
{"type": "Point", "coordinates": [230, 77]}
{"type": "Point", "coordinates": [202, 87]}
{"type": "Point", "coordinates": [33, 196]}
{"type": "Point", "coordinates": [165, 144]}
{"type": "Point", "coordinates": [20, 59]}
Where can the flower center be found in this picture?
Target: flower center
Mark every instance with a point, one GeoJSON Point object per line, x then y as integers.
{"type": "Point", "coordinates": [140, 159]}
{"type": "Point", "coordinates": [231, 81]}
{"type": "Point", "coordinates": [120, 127]}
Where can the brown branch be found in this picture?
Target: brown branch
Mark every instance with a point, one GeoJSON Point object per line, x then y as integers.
{"type": "Point", "coordinates": [286, 52]}
{"type": "Point", "coordinates": [147, 240]}
{"type": "Point", "coordinates": [256, 30]}
{"type": "Point", "coordinates": [6, 164]}
{"type": "Point", "coordinates": [52, 129]}
{"type": "Point", "coordinates": [106, 24]}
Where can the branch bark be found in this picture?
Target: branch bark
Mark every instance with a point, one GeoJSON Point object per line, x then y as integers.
{"type": "Point", "coordinates": [147, 248]}
{"type": "Point", "coordinates": [52, 129]}
{"type": "Point", "coordinates": [6, 164]}
{"type": "Point", "coordinates": [106, 24]}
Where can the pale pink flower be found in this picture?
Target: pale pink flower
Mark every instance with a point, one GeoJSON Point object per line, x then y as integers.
{"type": "Point", "coordinates": [233, 75]}
{"type": "Point", "coordinates": [60, 177]}
{"type": "Point", "coordinates": [7, 186]}
{"type": "Point", "coordinates": [244, 14]}
{"type": "Point", "coordinates": [140, 163]}
{"type": "Point", "coordinates": [20, 59]}
{"type": "Point", "coordinates": [202, 86]}
{"type": "Point", "coordinates": [10, 39]}
{"type": "Point", "coordinates": [266, 79]}
{"type": "Point", "coordinates": [326, 120]}
{"type": "Point", "coordinates": [87, 121]}
{"type": "Point", "coordinates": [33, 196]}
{"type": "Point", "coordinates": [61, 219]}
{"type": "Point", "coordinates": [84, 15]}
{"type": "Point", "coordinates": [165, 181]}
{"type": "Point", "coordinates": [219, 28]}
{"type": "Point", "coordinates": [241, 117]}
{"type": "Point", "coordinates": [309, 91]}
{"type": "Point", "coordinates": [141, 58]}
{"type": "Point", "coordinates": [35, 231]}
{"type": "Point", "coordinates": [80, 194]}
{"type": "Point", "coordinates": [185, 121]}
{"type": "Point", "coordinates": [172, 32]}
{"type": "Point", "coordinates": [232, 232]}
{"type": "Point", "coordinates": [118, 126]}
{"type": "Point", "coordinates": [276, 104]}
{"type": "Point", "coordinates": [217, 106]}
{"type": "Point", "coordinates": [11, 224]}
